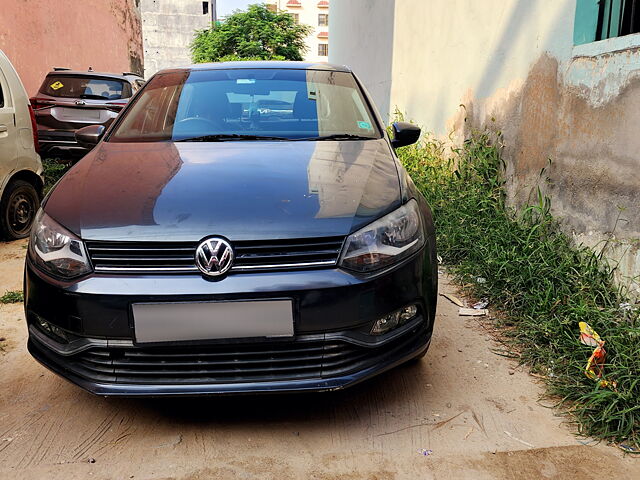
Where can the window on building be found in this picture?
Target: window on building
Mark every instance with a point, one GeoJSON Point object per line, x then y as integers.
{"type": "Point", "coordinates": [323, 49]}
{"type": "Point", "coordinates": [323, 19]}
{"type": "Point", "coordinates": [601, 19]}
{"type": "Point", "coordinates": [296, 18]}
{"type": "Point", "coordinates": [205, 8]}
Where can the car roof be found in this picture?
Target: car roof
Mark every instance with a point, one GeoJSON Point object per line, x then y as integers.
{"type": "Point", "coordinates": [119, 76]}
{"type": "Point", "coordinates": [276, 65]}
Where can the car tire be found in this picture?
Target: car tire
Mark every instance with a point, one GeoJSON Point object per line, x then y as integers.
{"type": "Point", "coordinates": [18, 208]}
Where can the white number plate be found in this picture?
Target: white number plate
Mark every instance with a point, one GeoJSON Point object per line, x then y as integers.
{"type": "Point", "coordinates": [166, 322]}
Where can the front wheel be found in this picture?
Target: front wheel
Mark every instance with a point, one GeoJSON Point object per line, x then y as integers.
{"type": "Point", "coordinates": [18, 208]}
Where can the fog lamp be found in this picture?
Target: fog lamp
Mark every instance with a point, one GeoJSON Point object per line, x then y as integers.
{"type": "Point", "coordinates": [53, 330]}
{"type": "Point", "coordinates": [407, 313]}
{"type": "Point", "coordinates": [393, 320]}
{"type": "Point", "coordinates": [386, 323]}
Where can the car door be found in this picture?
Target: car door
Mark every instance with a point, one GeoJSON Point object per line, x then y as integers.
{"type": "Point", "coordinates": [8, 131]}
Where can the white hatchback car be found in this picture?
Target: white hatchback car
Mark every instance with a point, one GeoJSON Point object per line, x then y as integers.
{"type": "Point", "coordinates": [21, 181]}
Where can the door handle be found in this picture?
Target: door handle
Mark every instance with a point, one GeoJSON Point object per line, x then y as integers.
{"type": "Point", "coordinates": [3, 128]}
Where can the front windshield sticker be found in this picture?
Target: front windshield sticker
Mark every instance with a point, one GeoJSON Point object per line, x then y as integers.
{"type": "Point", "coordinates": [364, 125]}
{"type": "Point", "coordinates": [245, 81]}
{"type": "Point", "coordinates": [57, 85]}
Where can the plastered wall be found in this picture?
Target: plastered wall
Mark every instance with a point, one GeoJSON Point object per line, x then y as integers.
{"type": "Point", "coordinates": [510, 65]}
{"type": "Point", "coordinates": [103, 34]}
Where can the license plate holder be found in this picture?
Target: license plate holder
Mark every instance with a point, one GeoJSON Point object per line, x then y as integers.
{"type": "Point", "coordinates": [193, 321]}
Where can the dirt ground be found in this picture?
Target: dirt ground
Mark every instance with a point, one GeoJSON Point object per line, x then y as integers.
{"type": "Point", "coordinates": [478, 414]}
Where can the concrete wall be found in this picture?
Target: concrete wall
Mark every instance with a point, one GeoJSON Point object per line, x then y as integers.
{"type": "Point", "coordinates": [362, 33]}
{"type": "Point", "coordinates": [510, 65]}
{"type": "Point", "coordinates": [37, 36]}
{"type": "Point", "coordinates": [168, 27]}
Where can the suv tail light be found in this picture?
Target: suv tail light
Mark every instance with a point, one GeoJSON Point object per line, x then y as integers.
{"type": "Point", "coordinates": [34, 128]}
{"type": "Point", "coordinates": [34, 103]}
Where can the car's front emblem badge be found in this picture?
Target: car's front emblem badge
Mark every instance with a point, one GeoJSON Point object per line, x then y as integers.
{"type": "Point", "coordinates": [214, 257]}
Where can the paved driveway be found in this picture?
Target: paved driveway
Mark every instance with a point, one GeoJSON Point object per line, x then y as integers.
{"type": "Point", "coordinates": [477, 413]}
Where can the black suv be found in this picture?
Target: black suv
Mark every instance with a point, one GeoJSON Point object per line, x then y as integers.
{"type": "Point", "coordinates": [69, 100]}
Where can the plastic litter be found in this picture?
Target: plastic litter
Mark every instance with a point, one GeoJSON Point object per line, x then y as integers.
{"type": "Point", "coordinates": [595, 365]}
{"type": "Point", "coordinates": [482, 304]}
{"type": "Point", "coordinates": [425, 452]}
{"type": "Point", "coordinates": [453, 299]}
{"type": "Point", "coordinates": [472, 312]}
{"type": "Point", "coordinates": [628, 448]}
{"type": "Point", "coordinates": [481, 280]}
{"type": "Point", "coordinates": [627, 307]}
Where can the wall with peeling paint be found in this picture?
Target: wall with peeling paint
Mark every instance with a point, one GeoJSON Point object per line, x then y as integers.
{"type": "Point", "coordinates": [510, 65]}
{"type": "Point", "coordinates": [37, 35]}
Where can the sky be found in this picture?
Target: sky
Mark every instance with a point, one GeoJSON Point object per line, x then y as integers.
{"type": "Point", "coordinates": [225, 7]}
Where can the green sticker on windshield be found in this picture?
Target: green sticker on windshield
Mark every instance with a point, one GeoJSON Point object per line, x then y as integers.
{"type": "Point", "coordinates": [364, 125]}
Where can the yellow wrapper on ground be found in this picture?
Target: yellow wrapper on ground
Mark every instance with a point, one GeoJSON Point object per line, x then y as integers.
{"type": "Point", "coordinates": [595, 365]}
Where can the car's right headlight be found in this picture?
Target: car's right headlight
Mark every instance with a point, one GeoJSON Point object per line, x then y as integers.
{"type": "Point", "coordinates": [385, 241]}
{"type": "Point", "coordinates": [56, 250]}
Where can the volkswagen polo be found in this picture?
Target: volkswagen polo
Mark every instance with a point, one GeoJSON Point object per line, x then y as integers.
{"type": "Point", "coordinates": [208, 245]}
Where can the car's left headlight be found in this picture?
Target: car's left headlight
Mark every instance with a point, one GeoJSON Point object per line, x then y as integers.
{"type": "Point", "coordinates": [56, 250]}
{"type": "Point", "coordinates": [385, 241]}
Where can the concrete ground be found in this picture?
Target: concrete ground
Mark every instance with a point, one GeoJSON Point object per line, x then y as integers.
{"type": "Point", "coordinates": [476, 412]}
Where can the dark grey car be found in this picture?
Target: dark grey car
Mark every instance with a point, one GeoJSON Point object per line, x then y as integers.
{"type": "Point", "coordinates": [69, 100]}
{"type": "Point", "coordinates": [207, 246]}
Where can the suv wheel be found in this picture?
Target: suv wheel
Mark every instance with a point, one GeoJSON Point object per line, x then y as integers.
{"type": "Point", "coordinates": [18, 208]}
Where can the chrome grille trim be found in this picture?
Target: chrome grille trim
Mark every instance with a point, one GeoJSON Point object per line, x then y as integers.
{"type": "Point", "coordinates": [179, 257]}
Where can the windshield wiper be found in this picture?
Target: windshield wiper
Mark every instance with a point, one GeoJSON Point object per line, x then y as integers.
{"type": "Point", "coordinates": [337, 136]}
{"type": "Point", "coordinates": [224, 137]}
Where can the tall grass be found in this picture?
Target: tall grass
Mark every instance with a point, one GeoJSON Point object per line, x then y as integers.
{"type": "Point", "coordinates": [542, 283]}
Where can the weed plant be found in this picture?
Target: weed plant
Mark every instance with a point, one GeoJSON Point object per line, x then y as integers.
{"type": "Point", "coordinates": [541, 282]}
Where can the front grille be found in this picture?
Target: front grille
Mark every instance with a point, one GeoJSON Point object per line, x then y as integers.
{"type": "Point", "coordinates": [236, 363]}
{"type": "Point", "coordinates": [178, 257]}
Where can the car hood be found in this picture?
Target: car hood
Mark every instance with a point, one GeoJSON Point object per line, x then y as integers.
{"type": "Point", "coordinates": [240, 190]}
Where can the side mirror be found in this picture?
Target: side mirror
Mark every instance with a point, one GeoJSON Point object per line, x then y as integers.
{"type": "Point", "coordinates": [404, 134]}
{"type": "Point", "coordinates": [88, 137]}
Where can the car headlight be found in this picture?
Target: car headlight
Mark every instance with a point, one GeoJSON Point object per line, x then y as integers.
{"type": "Point", "coordinates": [385, 241]}
{"type": "Point", "coordinates": [56, 250]}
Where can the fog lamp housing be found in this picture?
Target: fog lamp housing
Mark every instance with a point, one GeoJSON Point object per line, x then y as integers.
{"type": "Point", "coordinates": [51, 330]}
{"type": "Point", "coordinates": [394, 320]}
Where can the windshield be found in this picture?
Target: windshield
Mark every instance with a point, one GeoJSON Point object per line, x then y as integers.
{"type": "Point", "coordinates": [77, 86]}
{"type": "Point", "coordinates": [248, 104]}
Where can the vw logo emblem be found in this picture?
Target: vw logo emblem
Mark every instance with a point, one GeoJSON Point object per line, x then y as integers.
{"type": "Point", "coordinates": [214, 257]}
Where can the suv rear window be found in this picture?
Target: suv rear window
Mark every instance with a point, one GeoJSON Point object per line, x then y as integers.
{"type": "Point", "coordinates": [97, 88]}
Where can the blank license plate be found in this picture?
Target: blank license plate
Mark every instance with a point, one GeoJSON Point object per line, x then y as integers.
{"type": "Point", "coordinates": [166, 322]}
{"type": "Point", "coordinates": [79, 113]}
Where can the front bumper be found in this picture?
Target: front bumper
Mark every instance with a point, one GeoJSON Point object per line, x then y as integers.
{"type": "Point", "coordinates": [331, 348]}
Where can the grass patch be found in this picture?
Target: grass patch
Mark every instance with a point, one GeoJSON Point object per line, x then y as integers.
{"type": "Point", "coordinates": [12, 297]}
{"type": "Point", "coordinates": [543, 284]}
{"type": "Point", "coordinates": [54, 169]}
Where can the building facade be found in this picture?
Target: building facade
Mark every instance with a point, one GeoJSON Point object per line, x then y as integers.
{"type": "Point", "coordinates": [316, 14]}
{"type": "Point", "coordinates": [36, 39]}
{"type": "Point", "coordinates": [168, 27]}
{"type": "Point", "coordinates": [560, 80]}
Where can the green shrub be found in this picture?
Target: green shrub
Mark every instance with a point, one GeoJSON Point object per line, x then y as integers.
{"type": "Point", "coordinates": [12, 297]}
{"type": "Point", "coordinates": [542, 283]}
